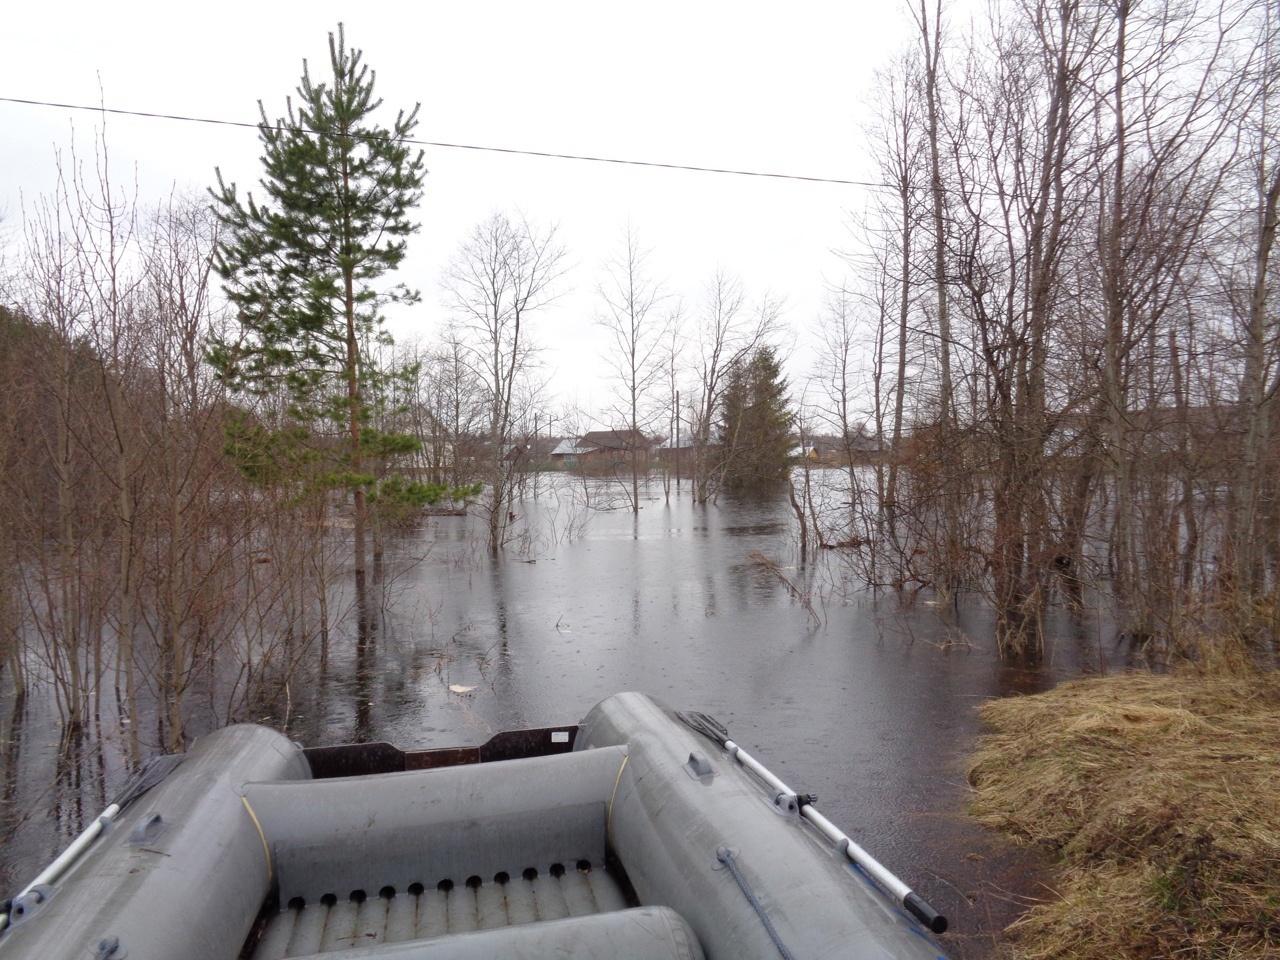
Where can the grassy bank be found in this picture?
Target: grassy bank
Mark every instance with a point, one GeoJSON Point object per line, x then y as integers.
{"type": "Point", "coordinates": [1161, 796]}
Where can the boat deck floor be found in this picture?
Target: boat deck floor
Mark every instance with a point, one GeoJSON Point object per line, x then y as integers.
{"type": "Point", "coordinates": [392, 916]}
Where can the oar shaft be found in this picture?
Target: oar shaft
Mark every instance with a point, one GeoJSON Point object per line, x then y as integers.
{"type": "Point", "coordinates": [68, 856]}
{"type": "Point", "coordinates": [18, 905]}
{"type": "Point", "coordinates": [867, 863]}
{"type": "Point", "coordinates": [856, 853]}
{"type": "Point", "coordinates": [755, 766]}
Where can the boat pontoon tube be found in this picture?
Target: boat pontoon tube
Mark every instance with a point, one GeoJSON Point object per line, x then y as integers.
{"type": "Point", "coordinates": [682, 800]}
{"type": "Point", "coordinates": [185, 871]}
{"type": "Point", "coordinates": [181, 874]}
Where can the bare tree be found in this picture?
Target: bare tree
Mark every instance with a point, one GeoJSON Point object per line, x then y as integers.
{"type": "Point", "coordinates": [728, 331]}
{"type": "Point", "coordinates": [895, 288]}
{"type": "Point", "coordinates": [671, 352]}
{"type": "Point", "coordinates": [503, 273]}
{"type": "Point", "coordinates": [1255, 311]}
{"type": "Point", "coordinates": [132, 539]}
{"type": "Point", "coordinates": [638, 344]}
{"type": "Point", "coordinates": [56, 299]}
{"type": "Point", "coordinates": [930, 28]}
{"type": "Point", "coordinates": [1076, 163]}
{"type": "Point", "coordinates": [844, 397]}
{"type": "Point", "coordinates": [1169, 106]}
{"type": "Point", "coordinates": [448, 409]}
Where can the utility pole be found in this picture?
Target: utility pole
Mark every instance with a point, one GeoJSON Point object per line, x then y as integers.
{"type": "Point", "coordinates": [677, 441]}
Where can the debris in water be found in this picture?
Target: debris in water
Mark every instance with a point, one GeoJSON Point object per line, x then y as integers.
{"type": "Point", "coordinates": [459, 688]}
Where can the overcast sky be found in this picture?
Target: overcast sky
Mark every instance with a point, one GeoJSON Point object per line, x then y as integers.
{"type": "Point", "coordinates": [775, 88]}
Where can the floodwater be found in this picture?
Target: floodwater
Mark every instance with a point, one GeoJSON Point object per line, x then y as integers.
{"type": "Point", "coordinates": [865, 703]}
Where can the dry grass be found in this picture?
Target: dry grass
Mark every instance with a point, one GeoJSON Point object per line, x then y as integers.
{"type": "Point", "coordinates": [1162, 797]}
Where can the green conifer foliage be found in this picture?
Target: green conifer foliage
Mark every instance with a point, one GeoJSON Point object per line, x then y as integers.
{"type": "Point", "coordinates": [755, 423]}
{"type": "Point", "coordinates": [301, 266]}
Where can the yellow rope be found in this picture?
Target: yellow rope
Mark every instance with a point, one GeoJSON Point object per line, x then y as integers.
{"type": "Point", "coordinates": [608, 823]}
{"type": "Point", "coordinates": [265, 848]}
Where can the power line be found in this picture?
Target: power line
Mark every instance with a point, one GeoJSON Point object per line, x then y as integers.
{"type": "Point", "coordinates": [515, 151]}
{"type": "Point", "coordinates": [466, 146]}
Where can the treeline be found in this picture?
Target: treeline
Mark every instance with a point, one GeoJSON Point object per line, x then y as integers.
{"type": "Point", "coordinates": [176, 542]}
{"type": "Point", "coordinates": [174, 547]}
{"type": "Point", "coordinates": [140, 564]}
{"type": "Point", "coordinates": [1075, 343]}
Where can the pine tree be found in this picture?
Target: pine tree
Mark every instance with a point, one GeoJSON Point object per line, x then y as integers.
{"type": "Point", "coordinates": [755, 423]}
{"type": "Point", "coordinates": [300, 268]}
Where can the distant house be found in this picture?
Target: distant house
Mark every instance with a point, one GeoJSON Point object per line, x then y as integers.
{"type": "Point", "coordinates": [481, 451]}
{"type": "Point", "coordinates": [677, 457]}
{"type": "Point", "coordinates": [833, 450]}
{"type": "Point", "coordinates": [604, 447]}
{"type": "Point", "coordinates": [669, 448]}
{"type": "Point", "coordinates": [567, 451]}
{"type": "Point", "coordinates": [609, 443]}
{"type": "Point", "coordinates": [539, 450]}
{"type": "Point", "coordinates": [1210, 436]}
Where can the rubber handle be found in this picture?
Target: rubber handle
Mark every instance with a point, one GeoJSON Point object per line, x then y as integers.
{"type": "Point", "coordinates": [930, 917]}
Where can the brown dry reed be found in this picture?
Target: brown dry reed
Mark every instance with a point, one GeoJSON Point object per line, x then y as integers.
{"type": "Point", "coordinates": [1161, 796]}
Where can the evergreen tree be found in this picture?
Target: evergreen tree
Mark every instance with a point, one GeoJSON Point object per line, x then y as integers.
{"type": "Point", "coordinates": [755, 423]}
{"type": "Point", "coordinates": [301, 266]}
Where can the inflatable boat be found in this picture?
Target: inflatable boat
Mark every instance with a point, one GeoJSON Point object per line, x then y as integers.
{"type": "Point", "coordinates": [639, 833]}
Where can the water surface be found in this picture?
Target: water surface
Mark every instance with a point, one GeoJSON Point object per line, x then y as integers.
{"type": "Point", "coordinates": [865, 703]}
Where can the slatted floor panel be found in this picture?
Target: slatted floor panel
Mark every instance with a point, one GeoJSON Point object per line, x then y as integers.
{"type": "Point", "coordinates": [395, 916]}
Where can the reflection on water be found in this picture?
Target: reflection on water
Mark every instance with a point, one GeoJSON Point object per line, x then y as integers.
{"type": "Point", "coordinates": [871, 708]}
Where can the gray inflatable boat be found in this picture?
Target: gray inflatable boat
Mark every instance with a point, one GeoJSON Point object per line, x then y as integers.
{"type": "Point", "coordinates": [640, 833]}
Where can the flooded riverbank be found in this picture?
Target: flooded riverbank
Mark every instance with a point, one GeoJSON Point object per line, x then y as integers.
{"type": "Point", "coordinates": [1157, 798]}
{"type": "Point", "coordinates": [866, 704]}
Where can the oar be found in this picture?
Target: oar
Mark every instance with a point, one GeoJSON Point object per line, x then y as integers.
{"type": "Point", "coordinates": [152, 772]}
{"type": "Point", "coordinates": [911, 902]}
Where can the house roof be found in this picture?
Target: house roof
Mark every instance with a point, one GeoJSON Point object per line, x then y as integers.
{"type": "Point", "coordinates": [568, 447]}
{"type": "Point", "coordinates": [686, 443]}
{"type": "Point", "coordinates": [614, 440]}
{"type": "Point", "coordinates": [539, 448]}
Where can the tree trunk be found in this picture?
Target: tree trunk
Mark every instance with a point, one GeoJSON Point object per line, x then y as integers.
{"type": "Point", "coordinates": [1258, 403]}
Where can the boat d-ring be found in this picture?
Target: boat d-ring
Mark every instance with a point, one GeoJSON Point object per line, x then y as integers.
{"type": "Point", "coordinates": [28, 903]}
